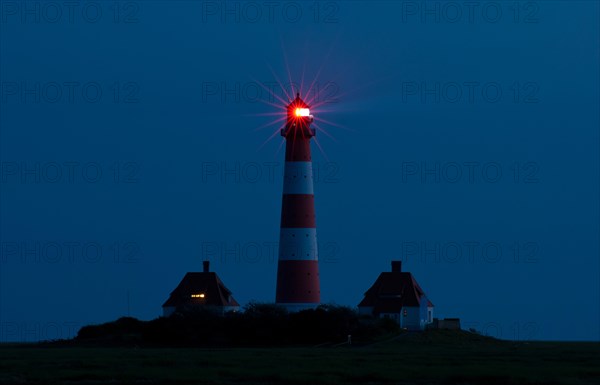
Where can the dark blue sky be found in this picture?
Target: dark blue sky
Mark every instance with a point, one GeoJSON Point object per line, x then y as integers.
{"type": "Point", "coordinates": [125, 191]}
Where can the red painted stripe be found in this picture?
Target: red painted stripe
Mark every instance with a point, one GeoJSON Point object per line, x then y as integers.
{"type": "Point", "coordinates": [298, 282]}
{"type": "Point", "coordinates": [298, 210]}
{"type": "Point", "coordinates": [297, 149]}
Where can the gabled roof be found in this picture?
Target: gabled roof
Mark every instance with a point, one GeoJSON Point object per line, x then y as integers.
{"type": "Point", "coordinates": [208, 284]}
{"type": "Point", "coordinates": [392, 291]}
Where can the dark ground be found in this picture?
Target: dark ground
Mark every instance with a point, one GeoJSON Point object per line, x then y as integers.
{"type": "Point", "coordinates": [433, 357]}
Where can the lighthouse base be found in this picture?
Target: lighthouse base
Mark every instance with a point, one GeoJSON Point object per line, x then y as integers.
{"type": "Point", "coordinates": [298, 282]}
{"type": "Point", "coordinates": [296, 307]}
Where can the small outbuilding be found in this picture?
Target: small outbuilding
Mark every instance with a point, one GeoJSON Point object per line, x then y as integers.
{"type": "Point", "coordinates": [398, 296]}
{"type": "Point", "coordinates": [200, 291]}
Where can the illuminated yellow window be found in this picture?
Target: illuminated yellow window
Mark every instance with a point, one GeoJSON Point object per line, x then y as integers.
{"type": "Point", "coordinates": [200, 295]}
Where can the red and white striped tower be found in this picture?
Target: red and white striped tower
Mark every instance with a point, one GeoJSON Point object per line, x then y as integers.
{"type": "Point", "coordinates": [298, 267]}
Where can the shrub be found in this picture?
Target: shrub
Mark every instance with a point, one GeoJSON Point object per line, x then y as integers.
{"type": "Point", "coordinates": [260, 324]}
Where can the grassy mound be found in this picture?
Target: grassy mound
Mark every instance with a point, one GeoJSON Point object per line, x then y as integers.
{"type": "Point", "coordinates": [258, 325]}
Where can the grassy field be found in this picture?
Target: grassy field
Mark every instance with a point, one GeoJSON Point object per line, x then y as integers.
{"type": "Point", "coordinates": [430, 358]}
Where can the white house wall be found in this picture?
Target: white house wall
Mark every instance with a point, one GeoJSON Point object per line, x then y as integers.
{"type": "Point", "coordinates": [423, 311]}
{"type": "Point", "coordinates": [412, 320]}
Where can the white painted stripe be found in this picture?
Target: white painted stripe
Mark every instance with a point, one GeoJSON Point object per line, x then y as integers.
{"type": "Point", "coordinates": [298, 178]}
{"type": "Point", "coordinates": [298, 244]}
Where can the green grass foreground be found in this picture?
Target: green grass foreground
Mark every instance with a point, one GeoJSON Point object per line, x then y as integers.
{"type": "Point", "coordinates": [433, 357]}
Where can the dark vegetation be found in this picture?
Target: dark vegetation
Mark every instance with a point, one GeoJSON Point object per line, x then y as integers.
{"type": "Point", "coordinates": [258, 325]}
{"type": "Point", "coordinates": [434, 357]}
{"type": "Point", "coordinates": [265, 345]}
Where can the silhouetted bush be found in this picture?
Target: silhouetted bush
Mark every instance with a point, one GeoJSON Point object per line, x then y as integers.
{"type": "Point", "coordinates": [260, 324]}
{"type": "Point", "coordinates": [123, 328]}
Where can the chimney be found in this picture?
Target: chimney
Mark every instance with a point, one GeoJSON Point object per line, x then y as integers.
{"type": "Point", "coordinates": [205, 266]}
{"type": "Point", "coordinates": [396, 266]}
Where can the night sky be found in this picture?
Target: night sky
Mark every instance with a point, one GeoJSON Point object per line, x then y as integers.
{"type": "Point", "coordinates": [461, 139]}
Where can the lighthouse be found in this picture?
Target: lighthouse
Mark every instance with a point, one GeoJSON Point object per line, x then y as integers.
{"type": "Point", "coordinates": [298, 266]}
